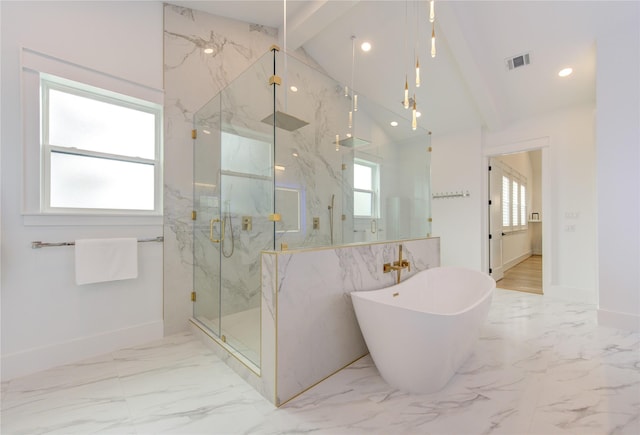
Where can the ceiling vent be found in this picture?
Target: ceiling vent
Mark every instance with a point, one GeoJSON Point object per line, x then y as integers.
{"type": "Point", "coordinates": [518, 61]}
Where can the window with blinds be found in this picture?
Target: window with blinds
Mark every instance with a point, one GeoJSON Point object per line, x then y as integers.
{"type": "Point", "coordinates": [514, 200]}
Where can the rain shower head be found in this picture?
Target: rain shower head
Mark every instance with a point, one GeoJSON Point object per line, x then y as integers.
{"type": "Point", "coordinates": [353, 142]}
{"type": "Point", "coordinates": [285, 121]}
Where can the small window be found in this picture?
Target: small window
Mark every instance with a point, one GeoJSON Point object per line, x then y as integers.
{"type": "Point", "coordinates": [101, 150]}
{"type": "Point", "coordinates": [365, 186]}
{"type": "Point", "coordinates": [506, 202]}
{"type": "Point", "coordinates": [514, 201]}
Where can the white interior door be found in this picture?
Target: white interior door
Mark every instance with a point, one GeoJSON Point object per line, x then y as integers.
{"type": "Point", "coordinates": [495, 220]}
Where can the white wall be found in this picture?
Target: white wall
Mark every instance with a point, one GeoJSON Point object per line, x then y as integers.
{"type": "Point", "coordinates": [569, 218]}
{"type": "Point", "coordinates": [46, 319]}
{"type": "Point", "coordinates": [456, 166]}
{"type": "Point", "coordinates": [618, 170]}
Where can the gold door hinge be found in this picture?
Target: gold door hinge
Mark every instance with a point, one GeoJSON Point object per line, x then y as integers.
{"type": "Point", "coordinates": [274, 47]}
{"type": "Point", "coordinates": [429, 220]}
{"type": "Point", "coordinates": [194, 134]}
{"type": "Point", "coordinates": [275, 217]}
{"type": "Point", "coordinates": [344, 166]}
{"type": "Point", "coordinates": [275, 80]}
{"type": "Point", "coordinates": [194, 215]}
{"type": "Point", "coordinates": [193, 296]}
{"type": "Point", "coordinates": [429, 149]}
{"type": "Point", "coordinates": [344, 217]}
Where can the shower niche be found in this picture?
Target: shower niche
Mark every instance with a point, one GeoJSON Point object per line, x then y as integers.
{"type": "Point", "coordinates": [287, 158]}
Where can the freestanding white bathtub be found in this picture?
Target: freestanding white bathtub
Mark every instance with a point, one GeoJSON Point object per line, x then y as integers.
{"type": "Point", "coordinates": [419, 332]}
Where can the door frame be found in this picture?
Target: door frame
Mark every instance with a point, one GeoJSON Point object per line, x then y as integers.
{"type": "Point", "coordinates": [543, 144]}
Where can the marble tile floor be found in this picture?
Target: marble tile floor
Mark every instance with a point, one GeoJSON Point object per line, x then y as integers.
{"type": "Point", "coordinates": [541, 366]}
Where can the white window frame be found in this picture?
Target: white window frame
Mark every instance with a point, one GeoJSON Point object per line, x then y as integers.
{"type": "Point", "coordinates": [375, 188]}
{"type": "Point", "coordinates": [515, 212]}
{"type": "Point", "coordinates": [33, 64]}
{"type": "Point", "coordinates": [49, 82]}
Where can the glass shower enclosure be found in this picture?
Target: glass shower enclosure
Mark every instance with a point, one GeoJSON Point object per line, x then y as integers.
{"type": "Point", "coordinates": [289, 158]}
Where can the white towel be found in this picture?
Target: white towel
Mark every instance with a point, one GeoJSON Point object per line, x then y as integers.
{"type": "Point", "coordinates": [99, 260]}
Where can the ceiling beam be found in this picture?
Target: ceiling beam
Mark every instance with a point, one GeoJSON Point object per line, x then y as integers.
{"type": "Point", "coordinates": [311, 19]}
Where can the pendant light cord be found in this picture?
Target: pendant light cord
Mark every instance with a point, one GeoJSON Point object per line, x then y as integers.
{"type": "Point", "coordinates": [285, 56]}
{"type": "Point", "coordinates": [353, 67]}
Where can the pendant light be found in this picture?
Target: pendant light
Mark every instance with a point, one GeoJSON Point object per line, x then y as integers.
{"type": "Point", "coordinates": [433, 40]}
{"type": "Point", "coordinates": [414, 118]}
{"type": "Point", "coordinates": [406, 93]}
{"type": "Point", "coordinates": [432, 20]}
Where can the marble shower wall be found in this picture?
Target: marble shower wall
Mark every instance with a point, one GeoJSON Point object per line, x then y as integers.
{"type": "Point", "coordinates": [230, 87]}
{"type": "Point", "coordinates": [236, 73]}
{"type": "Point", "coordinates": [192, 78]}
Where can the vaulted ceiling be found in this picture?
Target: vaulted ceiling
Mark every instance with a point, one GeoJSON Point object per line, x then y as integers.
{"type": "Point", "coordinates": [468, 83]}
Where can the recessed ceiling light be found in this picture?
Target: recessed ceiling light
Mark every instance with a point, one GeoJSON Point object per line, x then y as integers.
{"type": "Point", "coordinates": [394, 123]}
{"type": "Point", "coordinates": [366, 46]}
{"type": "Point", "coordinates": [293, 89]}
{"type": "Point", "coordinates": [565, 72]}
{"type": "Point", "coordinates": [208, 50]}
{"type": "Point", "coordinates": [279, 167]}
{"type": "Point", "coordinates": [295, 154]}
{"type": "Point", "coordinates": [418, 114]}
{"type": "Point", "coordinates": [206, 131]}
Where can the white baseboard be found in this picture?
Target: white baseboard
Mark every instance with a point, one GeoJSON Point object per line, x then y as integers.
{"type": "Point", "coordinates": [572, 294]}
{"type": "Point", "coordinates": [42, 358]}
{"type": "Point", "coordinates": [509, 264]}
{"type": "Point", "coordinates": [497, 273]}
{"type": "Point", "coordinates": [613, 319]}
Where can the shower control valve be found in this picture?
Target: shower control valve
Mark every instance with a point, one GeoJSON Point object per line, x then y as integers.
{"type": "Point", "coordinates": [247, 223]}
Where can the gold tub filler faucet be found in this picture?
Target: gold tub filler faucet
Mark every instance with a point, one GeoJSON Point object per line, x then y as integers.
{"type": "Point", "coordinates": [397, 266]}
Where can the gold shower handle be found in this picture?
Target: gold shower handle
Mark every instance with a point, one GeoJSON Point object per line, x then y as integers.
{"type": "Point", "coordinates": [211, 222]}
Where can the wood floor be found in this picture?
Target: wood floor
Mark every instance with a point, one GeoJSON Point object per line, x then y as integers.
{"type": "Point", "coordinates": [525, 276]}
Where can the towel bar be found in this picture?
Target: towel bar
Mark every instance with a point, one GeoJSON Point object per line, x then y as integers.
{"type": "Point", "coordinates": [38, 245]}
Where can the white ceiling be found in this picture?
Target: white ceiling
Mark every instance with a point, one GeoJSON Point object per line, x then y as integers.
{"type": "Point", "coordinates": [467, 83]}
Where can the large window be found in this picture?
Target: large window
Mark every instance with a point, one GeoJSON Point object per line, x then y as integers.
{"type": "Point", "coordinates": [100, 150]}
{"type": "Point", "coordinates": [365, 188]}
{"type": "Point", "coordinates": [514, 201]}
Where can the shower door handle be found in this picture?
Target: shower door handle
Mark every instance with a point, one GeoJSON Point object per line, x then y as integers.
{"type": "Point", "coordinates": [211, 222]}
{"type": "Point", "coordinates": [374, 226]}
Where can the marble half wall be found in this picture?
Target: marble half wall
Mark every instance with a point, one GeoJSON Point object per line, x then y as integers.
{"type": "Point", "coordinates": [314, 323]}
{"type": "Point", "coordinates": [309, 330]}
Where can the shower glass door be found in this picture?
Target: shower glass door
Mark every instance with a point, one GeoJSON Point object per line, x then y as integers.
{"type": "Point", "coordinates": [207, 219]}
{"type": "Point", "coordinates": [233, 199]}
